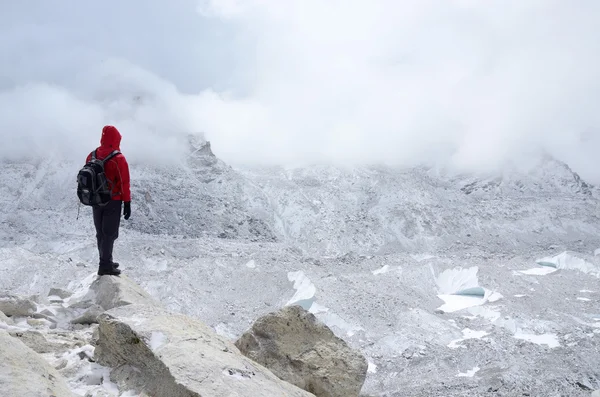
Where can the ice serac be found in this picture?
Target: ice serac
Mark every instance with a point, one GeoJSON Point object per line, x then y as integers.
{"type": "Point", "coordinates": [167, 354]}
{"type": "Point", "coordinates": [300, 349]}
{"type": "Point", "coordinates": [570, 261]}
{"type": "Point", "coordinates": [24, 373]}
{"type": "Point", "coordinates": [459, 289]}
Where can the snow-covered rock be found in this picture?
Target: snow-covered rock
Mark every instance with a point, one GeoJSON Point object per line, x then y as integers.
{"type": "Point", "coordinates": [24, 373]}
{"type": "Point", "coordinates": [12, 305]}
{"type": "Point", "coordinates": [167, 354]}
{"type": "Point", "coordinates": [300, 349]}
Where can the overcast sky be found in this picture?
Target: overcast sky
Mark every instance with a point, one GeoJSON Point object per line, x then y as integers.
{"type": "Point", "coordinates": [467, 83]}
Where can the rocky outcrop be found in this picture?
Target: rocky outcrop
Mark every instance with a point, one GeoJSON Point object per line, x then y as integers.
{"type": "Point", "coordinates": [167, 354]}
{"type": "Point", "coordinates": [24, 373]}
{"type": "Point", "coordinates": [109, 292]}
{"type": "Point", "coordinates": [110, 328]}
{"type": "Point", "coordinates": [301, 350]}
{"type": "Point", "coordinates": [90, 316]}
{"type": "Point", "coordinates": [61, 293]}
{"type": "Point", "coordinates": [16, 306]}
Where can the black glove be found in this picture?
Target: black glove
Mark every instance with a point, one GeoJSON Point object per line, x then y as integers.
{"type": "Point", "coordinates": [127, 210]}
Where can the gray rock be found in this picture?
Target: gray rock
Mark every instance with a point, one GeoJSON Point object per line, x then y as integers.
{"type": "Point", "coordinates": [24, 373]}
{"type": "Point", "coordinates": [165, 354]}
{"type": "Point", "coordinates": [12, 305]}
{"type": "Point", "coordinates": [303, 351]}
{"type": "Point", "coordinates": [45, 314]}
{"type": "Point", "coordinates": [109, 292]}
{"type": "Point", "coordinates": [36, 341]}
{"type": "Point", "coordinates": [90, 316]}
{"type": "Point", "coordinates": [61, 293]}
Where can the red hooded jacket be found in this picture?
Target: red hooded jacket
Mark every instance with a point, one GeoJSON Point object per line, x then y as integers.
{"type": "Point", "coordinates": [116, 169]}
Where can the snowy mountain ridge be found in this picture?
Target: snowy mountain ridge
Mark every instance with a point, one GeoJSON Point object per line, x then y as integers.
{"type": "Point", "coordinates": [322, 209]}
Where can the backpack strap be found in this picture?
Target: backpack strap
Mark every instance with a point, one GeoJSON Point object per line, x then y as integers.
{"type": "Point", "coordinates": [93, 154]}
{"type": "Point", "coordinates": [110, 156]}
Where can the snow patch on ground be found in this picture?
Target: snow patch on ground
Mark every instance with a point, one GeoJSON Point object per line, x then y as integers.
{"type": "Point", "coordinates": [467, 334]}
{"type": "Point", "coordinates": [130, 393]}
{"type": "Point", "coordinates": [251, 264]}
{"type": "Point", "coordinates": [583, 299]}
{"type": "Point", "coordinates": [469, 374]}
{"type": "Point", "coordinates": [383, 270]}
{"type": "Point", "coordinates": [551, 340]}
{"type": "Point", "coordinates": [496, 318]}
{"type": "Point", "coordinates": [454, 303]}
{"type": "Point", "coordinates": [539, 271]}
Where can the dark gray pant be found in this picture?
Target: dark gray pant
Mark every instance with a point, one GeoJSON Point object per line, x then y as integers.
{"type": "Point", "coordinates": [107, 220]}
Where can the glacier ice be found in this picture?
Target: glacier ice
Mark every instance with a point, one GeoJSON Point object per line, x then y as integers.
{"type": "Point", "coordinates": [459, 289]}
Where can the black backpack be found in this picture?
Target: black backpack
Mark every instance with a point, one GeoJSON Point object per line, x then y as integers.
{"type": "Point", "coordinates": [92, 186]}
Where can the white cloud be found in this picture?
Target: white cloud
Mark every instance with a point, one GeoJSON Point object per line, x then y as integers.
{"type": "Point", "coordinates": [466, 83]}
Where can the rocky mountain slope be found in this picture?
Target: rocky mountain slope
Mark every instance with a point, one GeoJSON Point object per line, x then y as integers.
{"type": "Point", "coordinates": [320, 210]}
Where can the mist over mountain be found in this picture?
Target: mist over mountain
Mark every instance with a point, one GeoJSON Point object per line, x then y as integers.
{"type": "Point", "coordinates": [476, 87]}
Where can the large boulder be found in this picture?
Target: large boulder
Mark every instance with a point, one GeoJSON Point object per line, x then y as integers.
{"type": "Point", "coordinates": [166, 354]}
{"type": "Point", "coordinates": [300, 349]}
{"type": "Point", "coordinates": [17, 306]}
{"type": "Point", "coordinates": [24, 373]}
{"type": "Point", "coordinates": [109, 292]}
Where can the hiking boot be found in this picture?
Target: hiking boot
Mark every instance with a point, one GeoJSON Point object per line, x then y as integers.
{"type": "Point", "coordinates": [108, 271]}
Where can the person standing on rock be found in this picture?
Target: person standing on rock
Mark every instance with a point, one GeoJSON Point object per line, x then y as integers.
{"type": "Point", "coordinates": [107, 217]}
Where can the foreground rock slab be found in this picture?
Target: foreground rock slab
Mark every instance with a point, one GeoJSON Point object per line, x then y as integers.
{"type": "Point", "coordinates": [300, 349]}
{"type": "Point", "coordinates": [24, 373]}
{"type": "Point", "coordinates": [166, 354]}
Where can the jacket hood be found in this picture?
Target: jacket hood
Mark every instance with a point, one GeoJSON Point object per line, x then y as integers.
{"type": "Point", "coordinates": [111, 137]}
